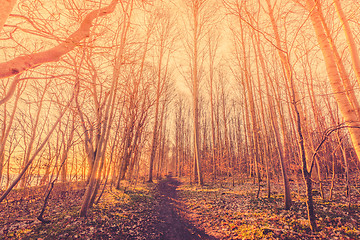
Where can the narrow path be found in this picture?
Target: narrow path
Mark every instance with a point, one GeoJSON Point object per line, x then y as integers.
{"type": "Point", "coordinates": [171, 211]}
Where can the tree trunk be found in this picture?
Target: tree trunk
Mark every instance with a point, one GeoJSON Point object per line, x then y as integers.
{"type": "Point", "coordinates": [350, 40]}
{"type": "Point", "coordinates": [350, 93]}
{"type": "Point", "coordinates": [6, 131]}
{"type": "Point", "coordinates": [306, 174]}
{"type": "Point", "coordinates": [338, 88]}
{"type": "Point", "coordinates": [250, 97]}
{"type": "Point", "coordinates": [275, 127]}
{"type": "Point", "coordinates": [212, 53]}
{"type": "Point", "coordinates": [23, 171]}
{"type": "Point", "coordinates": [196, 95]}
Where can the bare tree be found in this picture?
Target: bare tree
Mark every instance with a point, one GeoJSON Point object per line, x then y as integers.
{"type": "Point", "coordinates": [200, 20]}
{"type": "Point", "coordinates": [165, 40]}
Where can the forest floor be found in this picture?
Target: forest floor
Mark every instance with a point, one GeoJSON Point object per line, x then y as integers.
{"type": "Point", "coordinates": [173, 209]}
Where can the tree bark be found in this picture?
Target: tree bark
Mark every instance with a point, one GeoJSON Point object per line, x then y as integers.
{"type": "Point", "coordinates": [7, 7]}
{"type": "Point", "coordinates": [347, 111]}
{"type": "Point", "coordinates": [350, 40]}
{"type": "Point", "coordinates": [195, 80]}
{"type": "Point", "coordinates": [350, 93]}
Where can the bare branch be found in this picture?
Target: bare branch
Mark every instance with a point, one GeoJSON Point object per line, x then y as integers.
{"type": "Point", "coordinates": [326, 134]}
{"type": "Point", "coordinates": [23, 63]}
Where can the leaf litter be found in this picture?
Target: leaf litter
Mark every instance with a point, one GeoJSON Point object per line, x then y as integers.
{"type": "Point", "coordinates": [174, 209]}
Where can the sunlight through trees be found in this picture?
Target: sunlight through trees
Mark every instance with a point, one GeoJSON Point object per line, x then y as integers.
{"type": "Point", "coordinates": [109, 93]}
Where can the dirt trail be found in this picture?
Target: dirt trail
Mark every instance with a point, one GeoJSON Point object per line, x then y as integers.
{"type": "Point", "coordinates": [172, 211]}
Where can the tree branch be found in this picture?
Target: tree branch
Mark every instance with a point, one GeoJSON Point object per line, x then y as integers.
{"type": "Point", "coordinates": [23, 63]}
{"type": "Point", "coordinates": [326, 134]}
{"type": "Point", "coordinates": [11, 90]}
{"type": "Point", "coordinates": [6, 8]}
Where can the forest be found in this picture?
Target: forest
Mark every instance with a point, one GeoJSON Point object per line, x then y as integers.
{"type": "Point", "coordinates": [179, 119]}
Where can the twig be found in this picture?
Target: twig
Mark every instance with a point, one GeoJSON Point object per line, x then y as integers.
{"type": "Point", "coordinates": [326, 134]}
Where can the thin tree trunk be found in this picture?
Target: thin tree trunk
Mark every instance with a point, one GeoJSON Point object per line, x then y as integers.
{"type": "Point", "coordinates": [6, 131]}
{"type": "Point", "coordinates": [29, 148]}
{"type": "Point", "coordinates": [212, 53]}
{"type": "Point", "coordinates": [196, 95]}
{"type": "Point", "coordinates": [23, 171]}
{"type": "Point", "coordinates": [250, 96]}
{"type": "Point", "coordinates": [274, 125]}
{"type": "Point", "coordinates": [306, 174]}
